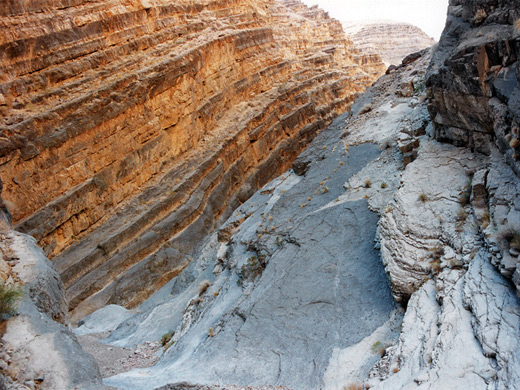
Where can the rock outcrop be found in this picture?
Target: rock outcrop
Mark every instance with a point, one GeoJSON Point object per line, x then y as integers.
{"type": "Point", "coordinates": [131, 127]}
{"type": "Point", "coordinates": [37, 346]}
{"type": "Point", "coordinates": [474, 78]}
{"type": "Point", "coordinates": [393, 41]}
{"type": "Point", "coordinates": [473, 82]}
{"type": "Point", "coordinates": [441, 214]}
{"type": "Point", "coordinates": [289, 280]}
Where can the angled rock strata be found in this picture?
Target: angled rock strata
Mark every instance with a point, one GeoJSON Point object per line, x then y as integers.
{"type": "Point", "coordinates": [130, 127]}
{"type": "Point", "coordinates": [239, 314]}
{"type": "Point", "coordinates": [383, 259]}
{"type": "Point", "coordinates": [393, 41]}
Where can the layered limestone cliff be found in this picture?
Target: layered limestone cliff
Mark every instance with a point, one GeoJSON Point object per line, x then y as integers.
{"type": "Point", "coordinates": [392, 40]}
{"type": "Point", "coordinates": [290, 291]}
{"type": "Point", "coordinates": [129, 128]}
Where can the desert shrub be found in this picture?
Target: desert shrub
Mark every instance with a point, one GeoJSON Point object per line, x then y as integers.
{"type": "Point", "coordinates": [514, 143]}
{"type": "Point", "coordinates": [203, 286]}
{"type": "Point", "coordinates": [253, 268]}
{"type": "Point", "coordinates": [480, 16]}
{"type": "Point", "coordinates": [437, 252]}
{"type": "Point", "coordinates": [9, 298]}
{"type": "Point", "coordinates": [486, 219]}
{"type": "Point", "coordinates": [465, 197]}
{"type": "Point", "coordinates": [384, 185]}
{"type": "Point", "coordinates": [423, 197]}
{"type": "Point", "coordinates": [435, 266]}
{"type": "Point", "coordinates": [368, 183]}
{"type": "Point", "coordinates": [165, 339]}
{"type": "Point", "coordinates": [462, 215]}
{"type": "Point", "coordinates": [379, 348]}
{"type": "Point", "coordinates": [510, 237]}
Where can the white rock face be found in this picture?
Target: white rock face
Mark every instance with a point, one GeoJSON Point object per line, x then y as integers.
{"type": "Point", "coordinates": [426, 215]}
{"type": "Point", "coordinates": [392, 40]}
{"type": "Point", "coordinates": [42, 352]}
{"type": "Point", "coordinates": [443, 249]}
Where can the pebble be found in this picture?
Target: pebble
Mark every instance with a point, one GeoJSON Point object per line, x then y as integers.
{"type": "Point", "coordinates": [514, 252]}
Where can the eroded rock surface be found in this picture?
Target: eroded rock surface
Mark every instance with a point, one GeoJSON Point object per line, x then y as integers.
{"type": "Point", "coordinates": [393, 41]}
{"type": "Point", "coordinates": [293, 274]}
{"type": "Point", "coordinates": [474, 78]}
{"type": "Point", "coordinates": [37, 347]}
{"type": "Point", "coordinates": [130, 127]}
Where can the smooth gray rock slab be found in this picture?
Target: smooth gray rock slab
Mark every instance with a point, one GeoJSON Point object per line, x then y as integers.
{"type": "Point", "coordinates": [321, 284]}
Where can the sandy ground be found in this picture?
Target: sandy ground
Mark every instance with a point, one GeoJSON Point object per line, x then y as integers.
{"type": "Point", "coordinates": [115, 360]}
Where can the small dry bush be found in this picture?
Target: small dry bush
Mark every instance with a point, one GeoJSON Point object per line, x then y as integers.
{"type": "Point", "coordinates": [165, 339]}
{"type": "Point", "coordinates": [480, 16]}
{"type": "Point", "coordinates": [203, 286]}
{"type": "Point", "coordinates": [9, 298]}
{"type": "Point", "coordinates": [510, 237]}
{"type": "Point", "coordinates": [435, 266]}
{"type": "Point", "coordinates": [486, 219]}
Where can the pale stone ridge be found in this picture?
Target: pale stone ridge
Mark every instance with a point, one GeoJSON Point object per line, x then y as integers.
{"type": "Point", "coordinates": [393, 41]}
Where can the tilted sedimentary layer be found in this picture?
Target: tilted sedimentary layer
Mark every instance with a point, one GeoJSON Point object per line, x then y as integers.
{"type": "Point", "coordinates": [392, 40]}
{"type": "Point", "coordinates": [130, 127]}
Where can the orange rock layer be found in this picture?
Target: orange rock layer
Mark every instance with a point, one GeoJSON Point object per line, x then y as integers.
{"type": "Point", "coordinates": [130, 127]}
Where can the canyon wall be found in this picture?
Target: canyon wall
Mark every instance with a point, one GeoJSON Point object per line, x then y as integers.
{"type": "Point", "coordinates": [129, 128]}
{"type": "Point", "coordinates": [474, 78]}
{"type": "Point", "coordinates": [393, 41]}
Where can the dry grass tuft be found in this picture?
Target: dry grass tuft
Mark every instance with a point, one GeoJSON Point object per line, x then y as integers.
{"type": "Point", "coordinates": [510, 237]}
{"type": "Point", "coordinates": [203, 286]}
{"type": "Point", "coordinates": [9, 298]}
{"type": "Point", "coordinates": [423, 197]}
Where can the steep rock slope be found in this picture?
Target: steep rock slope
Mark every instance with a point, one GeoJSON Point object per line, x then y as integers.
{"type": "Point", "coordinates": [130, 127]}
{"type": "Point", "coordinates": [436, 234]}
{"type": "Point", "coordinates": [37, 346]}
{"type": "Point", "coordinates": [393, 41]}
{"type": "Point", "coordinates": [473, 81]}
{"type": "Point", "coordinates": [290, 278]}
{"type": "Point", "coordinates": [474, 78]}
